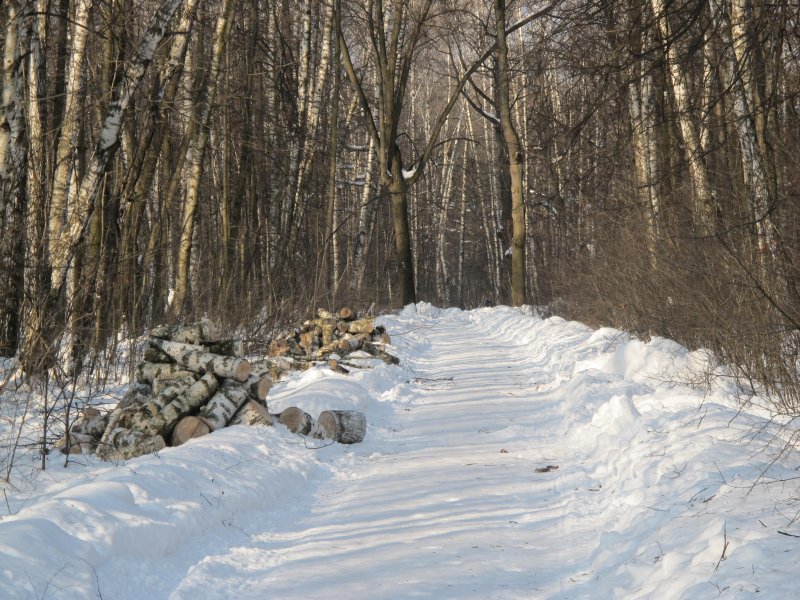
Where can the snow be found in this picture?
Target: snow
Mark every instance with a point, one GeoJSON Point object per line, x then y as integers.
{"type": "Point", "coordinates": [661, 489]}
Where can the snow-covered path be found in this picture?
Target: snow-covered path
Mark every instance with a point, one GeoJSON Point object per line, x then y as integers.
{"type": "Point", "coordinates": [450, 495]}
{"type": "Point", "coordinates": [450, 504]}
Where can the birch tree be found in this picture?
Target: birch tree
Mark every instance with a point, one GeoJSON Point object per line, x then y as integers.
{"type": "Point", "coordinates": [13, 177]}
{"type": "Point", "coordinates": [194, 159]}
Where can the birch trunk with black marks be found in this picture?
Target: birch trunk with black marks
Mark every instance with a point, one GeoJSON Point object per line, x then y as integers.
{"type": "Point", "coordinates": [706, 208]}
{"type": "Point", "coordinates": [13, 178]}
{"type": "Point", "coordinates": [194, 160]}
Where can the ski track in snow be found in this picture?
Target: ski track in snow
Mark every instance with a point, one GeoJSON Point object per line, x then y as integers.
{"type": "Point", "coordinates": [443, 498]}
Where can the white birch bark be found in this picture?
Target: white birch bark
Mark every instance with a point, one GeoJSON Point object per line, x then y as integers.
{"type": "Point", "coordinates": [366, 219]}
{"type": "Point", "coordinates": [194, 161]}
{"type": "Point", "coordinates": [312, 95]}
{"type": "Point", "coordinates": [642, 117]}
{"type": "Point", "coordinates": [198, 361]}
{"type": "Point", "coordinates": [63, 247]}
{"type": "Point", "coordinates": [706, 206]}
{"type": "Point", "coordinates": [755, 173]}
{"type": "Point", "coordinates": [68, 137]}
{"type": "Point", "coordinates": [224, 404]}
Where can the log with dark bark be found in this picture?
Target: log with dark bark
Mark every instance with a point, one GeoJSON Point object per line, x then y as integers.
{"type": "Point", "coordinates": [225, 348]}
{"type": "Point", "coordinates": [188, 428]}
{"type": "Point", "coordinates": [297, 420]}
{"type": "Point", "coordinates": [343, 426]}
{"type": "Point", "coordinates": [200, 361]}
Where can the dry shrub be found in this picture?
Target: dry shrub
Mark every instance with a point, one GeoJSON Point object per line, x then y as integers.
{"type": "Point", "coordinates": [704, 292]}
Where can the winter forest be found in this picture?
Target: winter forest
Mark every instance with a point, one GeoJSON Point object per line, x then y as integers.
{"type": "Point", "coordinates": [623, 162]}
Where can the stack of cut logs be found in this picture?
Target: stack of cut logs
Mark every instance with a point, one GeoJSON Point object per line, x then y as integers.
{"type": "Point", "coordinates": [332, 337]}
{"type": "Point", "coordinates": [191, 384]}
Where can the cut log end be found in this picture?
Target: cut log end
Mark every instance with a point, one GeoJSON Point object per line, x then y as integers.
{"type": "Point", "coordinates": [346, 314]}
{"type": "Point", "coordinates": [261, 388]}
{"type": "Point", "coordinates": [296, 420]}
{"type": "Point", "coordinates": [343, 426]}
{"type": "Point", "coordinates": [243, 370]}
{"type": "Point", "coordinates": [189, 428]}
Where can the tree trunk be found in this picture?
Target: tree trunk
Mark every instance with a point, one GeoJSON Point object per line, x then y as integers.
{"type": "Point", "coordinates": [514, 151]}
{"type": "Point", "coordinates": [13, 180]}
{"type": "Point", "coordinates": [194, 160]}
{"type": "Point", "coordinates": [706, 204]}
{"type": "Point", "coordinates": [402, 243]}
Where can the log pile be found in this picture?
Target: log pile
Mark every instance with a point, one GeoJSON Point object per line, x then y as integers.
{"type": "Point", "coordinates": [331, 337]}
{"type": "Point", "coordinates": [191, 384]}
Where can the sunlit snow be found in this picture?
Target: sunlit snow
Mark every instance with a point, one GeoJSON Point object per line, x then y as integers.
{"type": "Point", "coordinates": [508, 456]}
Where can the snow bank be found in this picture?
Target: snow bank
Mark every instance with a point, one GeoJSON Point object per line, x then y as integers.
{"type": "Point", "coordinates": [661, 489]}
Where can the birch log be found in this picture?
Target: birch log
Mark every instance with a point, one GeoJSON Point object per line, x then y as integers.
{"type": "Point", "coordinates": [76, 443]}
{"type": "Point", "coordinates": [297, 420]}
{"type": "Point", "coordinates": [224, 404]}
{"type": "Point", "coordinates": [166, 391]}
{"type": "Point", "coordinates": [136, 394]}
{"type": "Point", "coordinates": [91, 423]}
{"type": "Point", "coordinates": [346, 314]}
{"type": "Point", "coordinates": [372, 349]}
{"type": "Point", "coordinates": [199, 361]}
{"type": "Point", "coordinates": [191, 400]}
{"type": "Point", "coordinates": [366, 325]}
{"type": "Point", "coordinates": [343, 426]}
{"type": "Point", "coordinates": [258, 386]}
{"type": "Point", "coordinates": [188, 333]}
{"type": "Point", "coordinates": [252, 413]}
{"type": "Point", "coordinates": [334, 366]}
{"type": "Point", "coordinates": [189, 428]}
{"type": "Point", "coordinates": [123, 444]}
{"type": "Point", "coordinates": [226, 347]}
{"type": "Point", "coordinates": [148, 372]}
